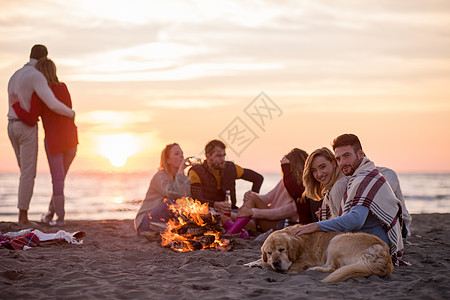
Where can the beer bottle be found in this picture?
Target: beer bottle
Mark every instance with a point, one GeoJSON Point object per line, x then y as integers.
{"type": "Point", "coordinates": [227, 201]}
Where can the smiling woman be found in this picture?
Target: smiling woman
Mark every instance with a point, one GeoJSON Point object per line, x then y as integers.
{"type": "Point", "coordinates": [118, 147]}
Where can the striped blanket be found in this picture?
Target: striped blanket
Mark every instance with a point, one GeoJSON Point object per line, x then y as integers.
{"type": "Point", "coordinates": [18, 242]}
{"type": "Point", "coordinates": [367, 187]}
{"type": "Point", "coordinates": [332, 200]}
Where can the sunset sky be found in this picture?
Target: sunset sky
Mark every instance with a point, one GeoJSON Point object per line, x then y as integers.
{"type": "Point", "coordinates": [279, 74]}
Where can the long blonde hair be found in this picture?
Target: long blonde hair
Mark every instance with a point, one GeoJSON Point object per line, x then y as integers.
{"type": "Point", "coordinates": [164, 156]}
{"type": "Point", "coordinates": [47, 67]}
{"type": "Point", "coordinates": [314, 189]}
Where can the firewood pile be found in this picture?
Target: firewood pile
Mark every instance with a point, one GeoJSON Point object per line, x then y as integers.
{"type": "Point", "coordinates": [195, 227]}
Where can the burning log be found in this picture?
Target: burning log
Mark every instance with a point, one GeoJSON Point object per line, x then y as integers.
{"type": "Point", "coordinates": [189, 229]}
{"type": "Point", "coordinates": [211, 219]}
{"type": "Point", "coordinates": [207, 239]}
{"type": "Point", "coordinates": [195, 227]}
{"type": "Point", "coordinates": [181, 245]}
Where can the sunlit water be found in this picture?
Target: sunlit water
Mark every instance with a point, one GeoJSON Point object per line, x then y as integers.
{"type": "Point", "coordinates": [118, 195]}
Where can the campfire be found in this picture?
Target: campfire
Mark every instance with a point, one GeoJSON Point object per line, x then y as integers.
{"type": "Point", "coordinates": [195, 227]}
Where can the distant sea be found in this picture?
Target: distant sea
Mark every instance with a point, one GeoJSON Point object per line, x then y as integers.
{"type": "Point", "coordinates": [99, 196]}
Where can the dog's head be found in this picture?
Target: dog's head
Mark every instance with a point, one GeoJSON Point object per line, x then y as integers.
{"type": "Point", "coordinates": [280, 250]}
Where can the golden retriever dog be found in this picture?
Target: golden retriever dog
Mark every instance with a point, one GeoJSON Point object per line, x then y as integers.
{"type": "Point", "coordinates": [344, 255]}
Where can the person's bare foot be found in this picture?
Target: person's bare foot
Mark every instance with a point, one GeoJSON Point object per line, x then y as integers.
{"type": "Point", "coordinates": [28, 224]}
{"type": "Point", "coordinates": [24, 222]}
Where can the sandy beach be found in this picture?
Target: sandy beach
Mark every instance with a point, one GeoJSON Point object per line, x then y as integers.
{"type": "Point", "coordinates": [115, 263]}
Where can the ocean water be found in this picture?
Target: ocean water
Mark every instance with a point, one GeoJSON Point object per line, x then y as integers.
{"type": "Point", "coordinates": [100, 196]}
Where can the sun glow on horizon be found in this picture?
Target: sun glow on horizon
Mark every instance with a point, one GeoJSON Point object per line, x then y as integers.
{"type": "Point", "coordinates": [118, 147]}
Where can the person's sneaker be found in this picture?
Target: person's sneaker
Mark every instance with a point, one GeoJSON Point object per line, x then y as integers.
{"type": "Point", "coordinates": [56, 223]}
{"type": "Point", "coordinates": [45, 219]}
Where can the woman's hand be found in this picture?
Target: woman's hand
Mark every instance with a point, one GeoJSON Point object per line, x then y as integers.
{"type": "Point", "coordinates": [183, 165]}
{"type": "Point", "coordinates": [310, 228]}
{"type": "Point", "coordinates": [245, 212]}
{"type": "Point", "coordinates": [13, 98]}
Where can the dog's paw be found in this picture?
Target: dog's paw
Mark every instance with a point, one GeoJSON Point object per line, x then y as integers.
{"type": "Point", "coordinates": [256, 263]}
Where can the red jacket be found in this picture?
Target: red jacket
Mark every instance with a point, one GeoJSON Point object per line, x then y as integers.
{"type": "Point", "coordinates": [60, 132]}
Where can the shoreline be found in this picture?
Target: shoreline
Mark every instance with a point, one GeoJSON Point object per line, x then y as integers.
{"type": "Point", "coordinates": [114, 262]}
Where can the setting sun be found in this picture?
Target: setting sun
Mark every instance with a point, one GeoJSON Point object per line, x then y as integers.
{"type": "Point", "coordinates": [118, 147]}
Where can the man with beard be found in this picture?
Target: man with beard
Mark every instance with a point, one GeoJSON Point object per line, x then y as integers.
{"type": "Point", "coordinates": [369, 204]}
{"type": "Point", "coordinates": [215, 176]}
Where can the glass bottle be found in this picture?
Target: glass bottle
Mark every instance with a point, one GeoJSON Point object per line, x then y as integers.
{"type": "Point", "coordinates": [227, 201]}
{"type": "Point", "coordinates": [194, 161]}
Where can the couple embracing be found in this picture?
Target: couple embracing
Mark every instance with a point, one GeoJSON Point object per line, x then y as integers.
{"type": "Point", "coordinates": [34, 90]}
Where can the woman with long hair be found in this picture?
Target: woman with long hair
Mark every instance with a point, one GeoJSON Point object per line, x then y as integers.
{"type": "Point", "coordinates": [167, 185]}
{"type": "Point", "coordinates": [61, 137]}
{"type": "Point", "coordinates": [324, 180]}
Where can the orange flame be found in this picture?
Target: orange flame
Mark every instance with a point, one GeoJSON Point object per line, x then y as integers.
{"type": "Point", "coordinates": [187, 209]}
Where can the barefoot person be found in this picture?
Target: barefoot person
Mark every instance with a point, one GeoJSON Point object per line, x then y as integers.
{"type": "Point", "coordinates": [61, 137]}
{"type": "Point", "coordinates": [369, 204]}
{"type": "Point", "coordinates": [167, 185]}
{"type": "Point", "coordinates": [24, 138]}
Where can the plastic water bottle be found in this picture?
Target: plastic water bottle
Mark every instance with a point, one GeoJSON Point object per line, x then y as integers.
{"type": "Point", "coordinates": [286, 223]}
{"type": "Point", "coordinates": [227, 201]}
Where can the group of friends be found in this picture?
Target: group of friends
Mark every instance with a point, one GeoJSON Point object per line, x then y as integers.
{"type": "Point", "coordinates": [325, 191]}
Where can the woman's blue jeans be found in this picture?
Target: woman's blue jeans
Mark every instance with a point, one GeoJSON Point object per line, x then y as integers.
{"type": "Point", "coordinates": [59, 166]}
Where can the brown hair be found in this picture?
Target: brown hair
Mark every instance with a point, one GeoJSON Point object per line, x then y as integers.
{"type": "Point", "coordinates": [38, 52]}
{"type": "Point", "coordinates": [211, 146]}
{"type": "Point", "coordinates": [347, 139]}
{"type": "Point", "coordinates": [297, 159]}
{"type": "Point", "coordinates": [314, 189]}
{"type": "Point", "coordinates": [47, 67]}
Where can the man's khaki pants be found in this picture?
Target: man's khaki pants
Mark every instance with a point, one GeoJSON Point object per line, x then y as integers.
{"type": "Point", "coordinates": [24, 140]}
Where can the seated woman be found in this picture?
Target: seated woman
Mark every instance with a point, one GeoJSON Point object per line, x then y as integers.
{"type": "Point", "coordinates": [324, 180]}
{"type": "Point", "coordinates": [277, 205]}
{"type": "Point", "coordinates": [167, 185]}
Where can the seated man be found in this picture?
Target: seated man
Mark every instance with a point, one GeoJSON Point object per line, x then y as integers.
{"type": "Point", "coordinates": [369, 204]}
{"type": "Point", "coordinates": [393, 181]}
{"type": "Point", "coordinates": [211, 179]}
